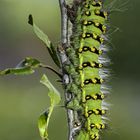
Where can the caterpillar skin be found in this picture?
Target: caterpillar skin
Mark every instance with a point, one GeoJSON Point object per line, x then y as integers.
{"type": "Point", "coordinates": [85, 68]}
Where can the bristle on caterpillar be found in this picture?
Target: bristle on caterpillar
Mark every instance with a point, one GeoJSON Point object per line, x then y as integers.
{"type": "Point", "coordinates": [87, 68]}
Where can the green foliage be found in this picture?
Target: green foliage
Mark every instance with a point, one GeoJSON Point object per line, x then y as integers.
{"type": "Point", "coordinates": [26, 66]}
{"type": "Point", "coordinates": [44, 38]}
{"type": "Point", "coordinates": [45, 117]}
{"type": "Point", "coordinates": [53, 94]}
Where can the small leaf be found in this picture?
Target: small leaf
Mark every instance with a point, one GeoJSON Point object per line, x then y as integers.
{"type": "Point", "coordinates": [40, 34]}
{"type": "Point", "coordinates": [53, 92]}
{"type": "Point", "coordinates": [29, 62]}
{"type": "Point", "coordinates": [43, 37]}
{"type": "Point", "coordinates": [26, 66]}
{"type": "Point", "coordinates": [42, 124]}
{"type": "Point", "coordinates": [54, 100]}
{"type": "Point", "coordinates": [17, 71]}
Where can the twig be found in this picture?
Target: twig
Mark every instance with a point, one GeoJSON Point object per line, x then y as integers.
{"type": "Point", "coordinates": [50, 68]}
{"type": "Point", "coordinates": [63, 57]}
{"type": "Point", "coordinates": [64, 20]}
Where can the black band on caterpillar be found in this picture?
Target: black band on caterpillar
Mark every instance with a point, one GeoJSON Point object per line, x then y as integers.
{"type": "Point", "coordinates": [100, 13]}
{"type": "Point", "coordinates": [90, 64]}
{"type": "Point", "coordinates": [91, 49]}
{"type": "Point", "coordinates": [93, 81]}
{"type": "Point", "coordinates": [96, 112]}
{"type": "Point", "coordinates": [97, 4]}
{"type": "Point", "coordinates": [102, 27]}
{"type": "Point", "coordinates": [97, 126]}
{"type": "Point", "coordinates": [94, 36]}
{"type": "Point", "coordinates": [94, 97]}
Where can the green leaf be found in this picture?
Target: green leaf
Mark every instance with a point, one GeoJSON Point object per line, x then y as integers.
{"type": "Point", "coordinates": [43, 124]}
{"type": "Point", "coordinates": [54, 100]}
{"type": "Point", "coordinates": [44, 38]}
{"type": "Point", "coordinates": [29, 62]}
{"type": "Point", "coordinates": [26, 66]}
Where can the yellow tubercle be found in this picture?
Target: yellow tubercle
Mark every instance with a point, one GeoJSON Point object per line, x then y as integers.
{"type": "Point", "coordinates": [97, 24]}
{"type": "Point", "coordinates": [88, 35]}
{"type": "Point", "coordinates": [103, 126]}
{"type": "Point", "coordinates": [84, 64]}
{"type": "Point", "coordinates": [96, 112]}
{"type": "Point", "coordinates": [102, 96]}
{"type": "Point", "coordinates": [104, 28]}
{"type": "Point", "coordinates": [101, 80]}
{"type": "Point", "coordinates": [85, 22]}
{"type": "Point", "coordinates": [85, 49]}
{"type": "Point", "coordinates": [86, 6]}
{"type": "Point", "coordinates": [100, 52]}
{"type": "Point", "coordinates": [92, 64]}
{"type": "Point", "coordinates": [103, 112]}
{"type": "Point", "coordinates": [94, 97]}
{"type": "Point", "coordinates": [94, 81]}
{"type": "Point", "coordinates": [100, 65]}
{"type": "Point", "coordinates": [105, 14]}
{"type": "Point", "coordinates": [98, 126]}
{"type": "Point", "coordinates": [102, 40]}
{"type": "Point", "coordinates": [80, 50]}
{"type": "Point", "coordinates": [97, 11]}
{"type": "Point", "coordinates": [95, 36]}
{"type": "Point", "coordinates": [94, 137]}
{"type": "Point", "coordinates": [83, 35]}
{"type": "Point", "coordinates": [93, 49]}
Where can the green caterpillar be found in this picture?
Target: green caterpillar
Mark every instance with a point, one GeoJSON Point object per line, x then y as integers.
{"type": "Point", "coordinates": [83, 63]}
{"type": "Point", "coordinates": [86, 68]}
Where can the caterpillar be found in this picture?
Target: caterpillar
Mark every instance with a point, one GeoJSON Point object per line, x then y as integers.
{"type": "Point", "coordinates": [87, 68]}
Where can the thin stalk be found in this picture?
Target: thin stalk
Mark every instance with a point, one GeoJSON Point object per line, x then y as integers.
{"type": "Point", "coordinates": [64, 21]}
{"type": "Point", "coordinates": [64, 59]}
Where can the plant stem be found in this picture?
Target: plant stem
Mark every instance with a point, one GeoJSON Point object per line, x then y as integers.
{"type": "Point", "coordinates": [64, 59]}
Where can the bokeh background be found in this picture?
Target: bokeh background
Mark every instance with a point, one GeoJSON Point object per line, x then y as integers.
{"type": "Point", "coordinates": [23, 98]}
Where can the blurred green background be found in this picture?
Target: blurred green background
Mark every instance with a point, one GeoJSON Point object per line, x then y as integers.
{"type": "Point", "coordinates": [23, 98]}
